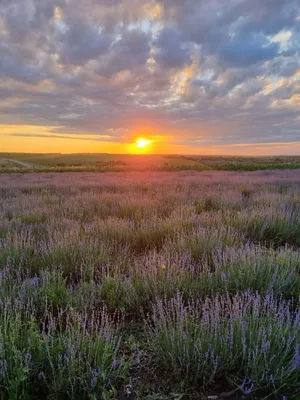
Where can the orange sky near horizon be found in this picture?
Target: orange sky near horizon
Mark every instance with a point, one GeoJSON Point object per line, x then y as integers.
{"type": "Point", "coordinates": [66, 143]}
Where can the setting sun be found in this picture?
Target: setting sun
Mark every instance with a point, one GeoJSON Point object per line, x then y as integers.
{"type": "Point", "coordinates": [142, 143]}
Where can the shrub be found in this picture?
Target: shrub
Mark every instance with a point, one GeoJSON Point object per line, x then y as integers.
{"type": "Point", "coordinates": [33, 218]}
{"type": "Point", "coordinates": [210, 204]}
{"type": "Point", "coordinates": [247, 338]}
{"type": "Point", "coordinates": [273, 230]}
{"type": "Point", "coordinates": [72, 355]}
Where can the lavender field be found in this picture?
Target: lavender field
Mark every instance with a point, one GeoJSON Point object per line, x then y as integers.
{"type": "Point", "coordinates": [150, 285]}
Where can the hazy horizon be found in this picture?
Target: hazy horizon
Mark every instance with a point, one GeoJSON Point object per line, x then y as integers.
{"type": "Point", "coordinates": [156, 154]}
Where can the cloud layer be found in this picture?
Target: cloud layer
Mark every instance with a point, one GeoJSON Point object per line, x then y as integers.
{"type": "Point", "coordinates": [191, 72]}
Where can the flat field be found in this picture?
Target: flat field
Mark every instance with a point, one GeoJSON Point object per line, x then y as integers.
{"type": "Point", "coordinates": [97, 162]}
{"type": "Point", "coordinates": [150, 285]}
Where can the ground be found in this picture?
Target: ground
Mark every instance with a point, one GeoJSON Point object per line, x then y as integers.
{"type": "Point", "coordinates": [150, 285]}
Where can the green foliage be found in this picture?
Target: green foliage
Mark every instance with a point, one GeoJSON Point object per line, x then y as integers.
{"type": "Point", "coordinates": [33, 218]}
{"type": "Point", "coordinates": [73, 354]}
{"type": "Point", "coordinates": [232, 337]}
{"type": "Point", "coordinates": [274, 230]}
{"type": "Point", "coordinates": [208, 205]}
{"type": "Point", "coordinates": [246, 193]}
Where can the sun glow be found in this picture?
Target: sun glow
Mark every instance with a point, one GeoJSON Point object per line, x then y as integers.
{"type": "Point", "coordinates": [142, 143]}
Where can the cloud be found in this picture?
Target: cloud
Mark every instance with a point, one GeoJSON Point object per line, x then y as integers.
{"type": "Point", "coordinates": [247, 50]}
{"type": "Point", "coordinates": [80, 43]}
{"type": "Point", "coordinates": [197, 72]}
{"type": "Point", "coordinates": [170, 51]}
{"type": "Point", "coordinates": [47, 136]}
{"type": "Point", "coordinates": [11, 67]}
{"type": "Point", "coordinates": [129, 51]}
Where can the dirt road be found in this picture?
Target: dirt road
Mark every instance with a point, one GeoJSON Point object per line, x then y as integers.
{"type": "Point", "coordinates": [21, 163]}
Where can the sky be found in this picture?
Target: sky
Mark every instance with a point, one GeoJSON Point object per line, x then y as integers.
{"type": "Point", "coordinates": [192, 76]}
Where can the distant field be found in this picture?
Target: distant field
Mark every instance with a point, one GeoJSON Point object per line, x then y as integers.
{"type": "Point", "coordinates": [155, 286]}
{"type": "Point", "coordinates": [19, 162]}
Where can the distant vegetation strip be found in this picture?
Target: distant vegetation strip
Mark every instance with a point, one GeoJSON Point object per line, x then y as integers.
{"type": "Point", "coordinates": [22, 162]}
{"type": "Point", "coordinates": [112, 167]}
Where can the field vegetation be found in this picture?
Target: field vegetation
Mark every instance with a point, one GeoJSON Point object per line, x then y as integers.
{"type": "Point", "coordinates": [22, 162]}
{"type": "Point", "coordinates": [150, 285]}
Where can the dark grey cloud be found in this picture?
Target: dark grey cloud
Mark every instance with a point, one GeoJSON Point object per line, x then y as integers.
{"type": "Point", "coordinates": [247, 50]}
{"type": "Point", "coordinates": [13, 68]}
{"type": "Point", "coordinates": [129, 51]}
{"type": "Point", "coordinates": [171, 51]}
{"type": "Point", "coordinates": [80, 43]}
{"type": "Point", "coordinates": [204, 72]}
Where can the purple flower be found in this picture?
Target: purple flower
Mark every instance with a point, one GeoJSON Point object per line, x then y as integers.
{"type": "Point", "coordinates": [63, 358]}
{"type": "Point", "coordinates": [27, 358]}
{"type": "Point", "coordinates": [247, 386]}
{"type": "Point", "coordinates": [3, 367]}
{"type": "Point", "coordinates": [296, 361]}
{"type": "Point", "coordinates": [271, 379]}
{"type": "Point", "coordinates": [95, 374]}
{"type": "Point", "coordinates": [41, 376]}
{"type": "Point", "coordinates": [223, 276]}
{"type": "Point", "coordinates": [32, 281]}
{"type": "Point", "coordinates": [265, 347]}
{"type": "Point", "coordinates": [206, 354]}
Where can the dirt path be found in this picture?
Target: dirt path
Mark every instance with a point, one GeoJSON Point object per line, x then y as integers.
{"type": "Point", "coordinates": [21, 163]}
